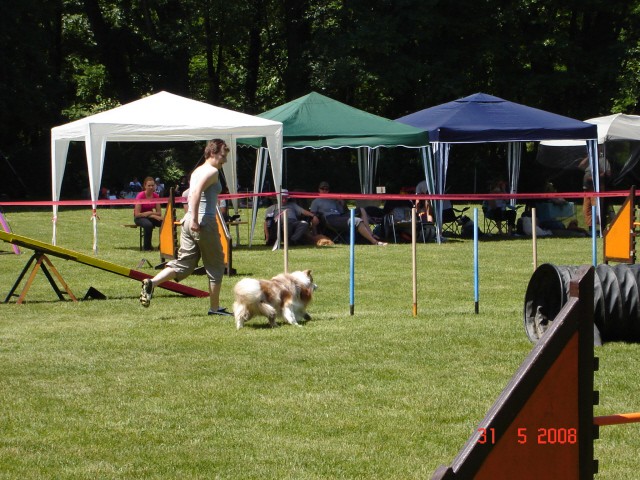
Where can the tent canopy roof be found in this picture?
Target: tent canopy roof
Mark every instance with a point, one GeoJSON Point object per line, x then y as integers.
{"type": "Point", "coordinates": [610, 128]}
{"type": "Point", "coordinates": [317, 121]}
{"type": "Point", "coordinates": [482, 118]}
{"type": "Point", "coordinates": [164, 117]}
{"type": "Point", "coordinates": [617, 127]}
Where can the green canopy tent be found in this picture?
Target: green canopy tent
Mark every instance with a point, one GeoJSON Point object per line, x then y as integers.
{"type": "Point", "coordinates": [317, 121]}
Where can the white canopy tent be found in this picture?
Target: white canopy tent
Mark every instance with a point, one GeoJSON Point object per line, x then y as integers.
{"type": "Point", "coordinates": [162, 117]}
{"type": "Point", "coordinates": [616, 127]}
{"type": "Point", "coordinates": [611, 127]}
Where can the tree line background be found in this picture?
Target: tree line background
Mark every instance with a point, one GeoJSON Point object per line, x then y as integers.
{"type": "Point", "coordinates": [65, 59]}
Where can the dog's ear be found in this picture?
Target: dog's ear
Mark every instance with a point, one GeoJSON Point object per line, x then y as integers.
{"type": "Point", "coordinates": [307, 273]}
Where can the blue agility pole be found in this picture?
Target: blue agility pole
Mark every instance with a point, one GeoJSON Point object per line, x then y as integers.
{"type": "Point", "coordinates": [352, 254]}
{"type": "Point", "coordinates": [594, 253]}
{"type": "Point", "coordinates": [476, 278]}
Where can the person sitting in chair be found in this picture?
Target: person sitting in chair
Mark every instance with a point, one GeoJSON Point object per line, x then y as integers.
{"type": "Point", "coordinates": [148, 215]}
{"type": "Point", "coordinates": [332, 212]}
{"type": "Point", "coordinates": [499, 211]}
{"type": "Point", "coordinates": [424, 207]}
{"type": "Point", "coordinates": [398, 218]}
{"type": "Point", "coordinates": [223, 206]}
{"type": "Point", "coordinates": [297, 227]}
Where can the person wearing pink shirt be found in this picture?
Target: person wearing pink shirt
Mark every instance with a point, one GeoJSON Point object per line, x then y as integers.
{"type": "Point", "coordinates": [148, 215]}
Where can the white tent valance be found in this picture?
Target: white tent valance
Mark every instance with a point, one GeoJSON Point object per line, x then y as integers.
{"type": "Point", "coordinates": [163, 117]}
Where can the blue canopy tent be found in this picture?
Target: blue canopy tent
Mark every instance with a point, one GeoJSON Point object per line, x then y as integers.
{"type": "Point", "coordinates": [482, 118]}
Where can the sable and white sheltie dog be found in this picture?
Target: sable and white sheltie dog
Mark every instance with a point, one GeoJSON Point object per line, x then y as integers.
{"type": "Point", "coordinates": [286, 295]}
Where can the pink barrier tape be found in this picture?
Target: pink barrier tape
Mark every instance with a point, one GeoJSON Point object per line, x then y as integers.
{"type": "Point", "coordinates": [478, 197]}
{"type": "Point", "coordinates": [120, 201]}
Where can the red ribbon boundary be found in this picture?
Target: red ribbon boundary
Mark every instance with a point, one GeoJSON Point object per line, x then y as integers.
{"type": "Point", "coordinates": [473, 198]}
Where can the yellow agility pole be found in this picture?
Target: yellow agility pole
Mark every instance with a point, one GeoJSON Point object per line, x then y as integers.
{"type": "Point", "coordinates": [413, 262]}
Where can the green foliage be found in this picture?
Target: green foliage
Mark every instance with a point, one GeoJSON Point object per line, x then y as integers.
{"type": "Point", "coordinates": [627, 99]}
{"type": "Point", "coordinates": [167, 168]}
{"type": "Point", "coordinates": [107, 389]}
{"type": "Point", "coordinates": [90, 79]}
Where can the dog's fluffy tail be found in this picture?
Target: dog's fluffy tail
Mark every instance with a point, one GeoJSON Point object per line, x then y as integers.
{"type": "Point", "coordinates": [248, 291]}
{"type": "Point", "coordinates": [248, 296]}
{"type": "Point", "coordinates": [251, 300]}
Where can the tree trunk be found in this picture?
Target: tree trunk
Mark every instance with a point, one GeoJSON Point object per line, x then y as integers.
{"type": "Point", "coordinates": [253, 55]}
{"type": "Point", "coordinates": [111, 50]}
{"type": "Point", "coordinates": [298, 37]}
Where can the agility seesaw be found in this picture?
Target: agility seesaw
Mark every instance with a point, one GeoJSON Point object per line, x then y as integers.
{"type": "Point", "coordinates": [542, 424]}
{"type": "Point", "coordinates": [41, 250]}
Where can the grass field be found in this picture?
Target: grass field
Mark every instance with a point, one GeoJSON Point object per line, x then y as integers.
{"type": "Point", "coordinates": [107, 389]}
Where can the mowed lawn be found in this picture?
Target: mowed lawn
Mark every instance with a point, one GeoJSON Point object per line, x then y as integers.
{"type": "Point", "coordinates": [108, 389]}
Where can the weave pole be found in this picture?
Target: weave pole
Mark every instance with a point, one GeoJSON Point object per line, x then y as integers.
{"type": "Point", "coordinates": [413, 261]}
{"type": "Point", "coordinates": [594, 221]}
{"type": "Point", "coordinates": [476, 277]}
{"type": "Point", "coordinates": [285, 233]}
{"type": "Point", "coordinates": [534, 237]}
{"type": "Point", "coordinates": [352, 253]}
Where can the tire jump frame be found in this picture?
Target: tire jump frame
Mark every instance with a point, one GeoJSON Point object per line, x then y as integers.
{"type": "Point", "coordinates": [616, 288]}
{"type": "Point", "coordinates": [542, 424]}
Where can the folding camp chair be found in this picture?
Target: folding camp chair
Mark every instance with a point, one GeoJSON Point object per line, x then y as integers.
{"type": "Point", "coordinates": [398, 228]}
{"type": "Point", "coordinates": [335, 235]}
{"type": "Point", "coordinates": [493, 224]}
{"type": "Point", "coordinates": [490, 223]}
{"type": "Point", "coordinates": [452, 219]}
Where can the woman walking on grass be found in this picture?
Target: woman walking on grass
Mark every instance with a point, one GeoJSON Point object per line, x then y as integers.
{"type": "Point", "coordinates": [199, 237]}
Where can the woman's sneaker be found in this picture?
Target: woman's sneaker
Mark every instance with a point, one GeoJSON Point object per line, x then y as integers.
{"type": "Point", "coordinates": [147, 292]}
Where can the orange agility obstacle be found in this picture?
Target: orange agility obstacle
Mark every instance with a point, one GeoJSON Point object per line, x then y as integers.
{"type": "Point", "coordinates": [542, 425]}
{"type": "Point", "coordinates": [169, 236]}
{"type": "Point", "coordinates": [41, 250]}
{"type": "Point", "coordinates": [619, 237]}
